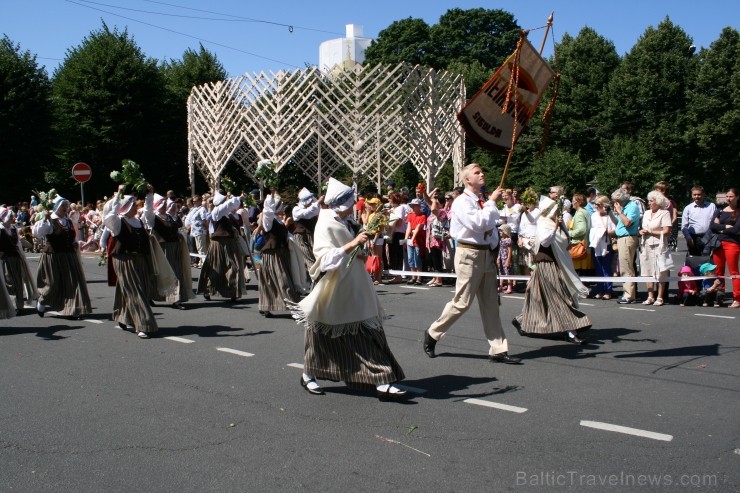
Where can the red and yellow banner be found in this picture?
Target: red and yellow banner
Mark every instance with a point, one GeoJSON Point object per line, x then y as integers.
{"type": "Point", "coordinates": [482, 117]}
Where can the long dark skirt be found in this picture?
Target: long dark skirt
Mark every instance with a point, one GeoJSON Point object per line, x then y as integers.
{"type": "Point", "coordinates": [18, 281]}
{"type": "Point", "coordinates": [548, 308]}
{"type": "Point", "coordinates": [361, 359]}
{"type": "Point", "coordinates": [131, 301]}
{"type": "Point", "coordinates": [275, 283]}
{"type": "Point", "coordinates": [223, 269]}
{"type": "Point", "coordinates": [62, 285]}
{"type": "Point", "coordinates": [173, 253]}
{"type": "Point", "coordinates": [305, 244]}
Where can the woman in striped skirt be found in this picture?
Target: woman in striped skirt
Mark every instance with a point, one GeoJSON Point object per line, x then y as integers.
{"type": "Point", "coordinates": [161, 218]}
{"type": "Point", "coordinates": [18, 277]}
{"type": "Point", "coordinates": [131, 257]}
{"type": "Point", "coordinates": [344, 338]}
{"type": "Point", "coordinates": [223, 267]}
{"type": "Point", "coordinates": [61, 282]}
{"type": "Point", "coordinates": [305, 215]}
{"type": "Point", "coordinates": [551, 299]}
{"type": "Point", "coordinates": [274, 279]}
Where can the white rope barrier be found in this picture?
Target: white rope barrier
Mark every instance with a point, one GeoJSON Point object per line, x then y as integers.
{"type": "Point", "coordinates": [616, 279]}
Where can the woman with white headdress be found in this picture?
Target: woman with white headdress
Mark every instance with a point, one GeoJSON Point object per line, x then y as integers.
{"type": "Point", "coordinates": [305, 215]}
{"type": "Point", "coordinates": [551, 299]}
{"type": "Point", "coordinates": [60, 280]}
{"type": "Point", "coordinates": [130, 255]}
{"type": "Point", "coordinates": [223, 268]}
{"type": "Point", "coordinates": [344, 338]}
{"type": "Point", "coordinates": [274, 277]}
{"type": "Point", "coordinates": [162, 219]}
{"type": "Point", "coordinates": [18, 277]}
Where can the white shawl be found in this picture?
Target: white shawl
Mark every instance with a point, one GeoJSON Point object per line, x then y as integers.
{"type": "Point", "coordinates": [343, 299]}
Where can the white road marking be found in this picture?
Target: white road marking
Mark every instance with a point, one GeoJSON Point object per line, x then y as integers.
{"type": "Point", "coordinates": [179, 339]}
{"type": "Point", "coordinates": [514, 297]}
{"type": "Point", "coordinates": [234, 351]}
{"type": "Point", "coordinates": [415, 287]}
{"type": "Point", "coordinates": [713, 316]}
{"type": "Point", "coordinates": [636, 309]}
{"type": "Point", "coordinates": [503, 407]}
{"type": "Point", "coordinates": [92, 320]}
{"type": "Point", "coordinates": [626, 430]}
{"type": "Point", "coordinates": [586, 304]}
{"type": "Point", "coordinates": [53, 314]}
{"type": "Point", "coordinates": [296, 365]}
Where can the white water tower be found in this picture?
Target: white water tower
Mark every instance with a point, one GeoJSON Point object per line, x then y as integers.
{"type": "Point", "coordinates": [350, 49]}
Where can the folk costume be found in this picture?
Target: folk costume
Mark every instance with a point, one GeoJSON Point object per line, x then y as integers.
{"type": "Point", "coordinates": [274, 276]}
{"type": "Point", "coordinates": [131, 257]}
{"type": "Point", "coordinates": [18, 279]}
{"type": "Point", "coordinates": [551, 299]}
{"type": "Point", "coordinates": [305, 216]}
{"type": "Point", "coordinates": [165, 225]}
{"type": "Point", "coordinates": [344, 339]}
{"type": "Point", "coordinates": [223, 268]}
{"type": "Point", "coordinates": [60, 279]}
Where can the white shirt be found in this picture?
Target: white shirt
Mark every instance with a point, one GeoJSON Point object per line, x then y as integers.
{"type": "Point", "coordinates": [528, 223]}
{"type": "Point", "coordinates": [512, 215]}
{"type": "Point", "coordinates": [472, 224]}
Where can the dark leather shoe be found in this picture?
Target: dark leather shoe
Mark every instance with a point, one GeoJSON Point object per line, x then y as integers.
{"type": "Point", "coordinates": [572, 337]}
{"type": "Point", "coordinates": [518, 327]}
{"type": "Point", "coordinates": [505, 358]}
{"type": "Point", "coordinates": [429, 344]}
{"type": "Point", "coordinates": [389, 396]}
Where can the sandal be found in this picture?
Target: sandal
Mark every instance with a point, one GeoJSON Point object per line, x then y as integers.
{"type": "Point", "coordinates": [735, 304]}
{"type": "Point", "coordinates": [648, 301]}
{"type": "Point", "coordinates": [658, 302]}
{"type": "Point", "coordinates": [606, 297]}
{"type": "Point", "coordinates": [597, 297]}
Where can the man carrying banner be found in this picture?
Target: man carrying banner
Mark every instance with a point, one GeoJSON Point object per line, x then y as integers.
{"type": "Point", "coordinates": [473, 225]}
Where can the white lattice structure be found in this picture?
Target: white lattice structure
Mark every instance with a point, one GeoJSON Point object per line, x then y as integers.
{"type": "Point", "coordinates": [371, 119]}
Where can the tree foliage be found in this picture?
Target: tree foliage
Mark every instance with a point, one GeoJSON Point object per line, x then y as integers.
{"type": "Point", "coordinates": [25, 121]}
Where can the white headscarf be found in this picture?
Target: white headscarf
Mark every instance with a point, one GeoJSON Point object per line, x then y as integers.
{"type": "Point", "coordinates": [339, 196]}
{"type": "Point", "coordinates": [126, 203]}
{"type": "Point", "coordinates": [58, 201]}
{"type": "Point", "coordinates": [158, 201]}
{"type": "Point", "coordinates": [305, 196]}
{"type": "Point", "coordinates": [5, 214]}
{"type": "Point", "coordinates": [218, 198]}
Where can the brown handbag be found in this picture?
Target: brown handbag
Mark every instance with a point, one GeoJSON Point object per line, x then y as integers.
{"type": "Point", "coordinates": [578, 250]}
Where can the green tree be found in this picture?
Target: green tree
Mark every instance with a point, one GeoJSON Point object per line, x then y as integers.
{"type": "Point", "coordinates": [646, 100]}
{"type": "Point", "coordinates": [109, 103]}
{"type": "Point", "coordinates": [194, 69]}
{"type": "Point", "coordinates": [25, 122]}
{"type": "Point", "coordinates": [407, 40]}
{"type": "Point", "coordinates": [586, 64]}
{"type": "Point", "coordinates": [714, 113]}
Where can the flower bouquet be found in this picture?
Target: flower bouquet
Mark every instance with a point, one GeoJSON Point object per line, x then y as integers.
{"type": "Point", "coordinates": [376, 223]}
{"type": "Point", "coordinates": [46, 199]}
{"type": "Point", "coordinates": [131, 176]}
{"type": "Point", "coordinates": [266, 173]}
{"type": "Point", "coordinates": [227, 184]}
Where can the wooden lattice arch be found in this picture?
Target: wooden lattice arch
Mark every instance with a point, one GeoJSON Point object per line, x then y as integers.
{"type": "Point", "coordinates": [372, 119]}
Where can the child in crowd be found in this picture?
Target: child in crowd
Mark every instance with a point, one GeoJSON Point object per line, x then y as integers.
{"type": "Point", "coordinates": [505, 255]}
{"type": "Point", "coordinates": [710, 286]}
{"type": "Point", "coordinates": [688, 291]}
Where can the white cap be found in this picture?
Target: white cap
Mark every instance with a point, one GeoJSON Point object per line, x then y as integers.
{"type": "Point", "coordinates": [339, 196]}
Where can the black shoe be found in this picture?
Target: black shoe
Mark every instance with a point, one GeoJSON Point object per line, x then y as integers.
{"type": "Point", "coordinates": [304, 384]}
{"type": "Point", "coordinates": [40, 309]}
{"type": "Point", "coordinates": [178, 306]}
{"type": "Point", "coordinates": [267, 314]}
{"type": "Point", "coordinates": [505, 358]}
{"type": "Point", "coordinates": [206, 296]}
{"type": "Point", "coordinates": [429, 344]}
{"type": "Point", "coordinates": [410, 282]}
{"type": "Point", "coordinates": [389, 396]}
{"type": "Point", "coordinates": [624, 301]}
{"type": "Point", "coordinates": [573, 338]}
{"type": "Point", "coordinates": [518, 327]}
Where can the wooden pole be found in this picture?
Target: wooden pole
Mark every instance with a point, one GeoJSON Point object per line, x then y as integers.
{"type": "Point", "coordinates": [542, 47]}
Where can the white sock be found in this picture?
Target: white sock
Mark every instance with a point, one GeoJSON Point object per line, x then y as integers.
{"type": "Point", "coordinates": [310, 382]}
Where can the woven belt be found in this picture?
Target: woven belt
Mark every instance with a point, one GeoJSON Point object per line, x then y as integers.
{"type": "Point", "coordinates": [473, 246]}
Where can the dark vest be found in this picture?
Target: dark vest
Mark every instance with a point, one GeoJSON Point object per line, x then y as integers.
{"type": "Point", "coordinates": [166, 229]}
{"type": "Point", "coordinates": [280, 233]}
{"type": "Point", "coordinates": [131, 240]}
{"type": "Point", "coordinates": [309, 224]}
{"type": "Point", "coordinates": [9, 242]}
{"type": "Point", "coordinates": [60, 239]}
{"type": "Point", "coordinates": [227, 226]}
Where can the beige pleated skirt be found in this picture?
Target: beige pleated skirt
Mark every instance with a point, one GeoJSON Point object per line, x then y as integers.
{"type": "Point", "coordinates": [275, 283]}
{"type": "Point", "coordinates": [223, 269]}
{"type": "Point", "coordinates": [548, 307]}
{"type": "Point", "coordinates": [131, 301]}
{"type": "Point", "coordinates": [363, 358]}
{"type": "Point", "coordinates": [19, 281]}
{"type": "Point", "coordinates": [62, 285]}
{"type": "Point", "coordinates": [173, 253]}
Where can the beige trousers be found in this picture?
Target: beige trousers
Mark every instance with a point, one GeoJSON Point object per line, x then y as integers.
{"type": "Point", "coordinates": [627, 248]}
{"type": "Point", "coordinates": [476, 276]}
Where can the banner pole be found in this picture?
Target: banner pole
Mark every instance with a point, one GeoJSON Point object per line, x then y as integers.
{"type": "Point", "coordinates": [547, 30]}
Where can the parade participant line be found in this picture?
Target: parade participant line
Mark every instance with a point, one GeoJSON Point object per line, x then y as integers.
{"type": "Point", "coordinates": [180, 339]}
{"type": "Point", "coordinates": [496, 405]}
{"type": "Point", "coordinates": [626, 430]}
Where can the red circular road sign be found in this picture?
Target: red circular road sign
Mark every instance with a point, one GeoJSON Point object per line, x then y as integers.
{"type": "Point", "coordinates": [81, 172]}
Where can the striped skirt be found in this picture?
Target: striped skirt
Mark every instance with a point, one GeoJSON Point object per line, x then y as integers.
{"type": "Point", "coordinates": [62, 285]}
{"type": "Point", "coordinates": [131, 301]}
{"type": "Point", "coordinates": [7, 306]}
{"type": "Point", "coordinates": [18, 280]}
{"type": "Point", "coordinates": [223, 269]}
{"type": "Point", "coordinates": [274, 281]}
{"type": "Point", "coordinates": [305, 243]}
{"type": "Point", "coordinates": [363, 358]}
{"type": "Point", "coordinates": [173, 253]}
{"type": "Point", "coordinates": [548, 307]}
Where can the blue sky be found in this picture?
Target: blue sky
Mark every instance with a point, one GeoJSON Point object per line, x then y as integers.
{"type": "Point", "coordinates": [284, 35]}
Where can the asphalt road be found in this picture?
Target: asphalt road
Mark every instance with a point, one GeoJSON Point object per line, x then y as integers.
{"type": "Point", "coordinates": [651, 403]}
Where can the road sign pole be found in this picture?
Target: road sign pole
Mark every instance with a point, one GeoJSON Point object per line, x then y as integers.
{"type": "Point", "coordinates": [82, 194]}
